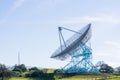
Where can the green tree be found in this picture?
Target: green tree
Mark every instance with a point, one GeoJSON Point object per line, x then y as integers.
{"type": "Point", "coordinates": [118, 69]}
{"type": "Point", "coordinates": [33, 68]}
{"type": "Point", "coordinates": [34, 73]}
{"type": "Point", "coordinates": [105, 68]}
{"type": "Point", "coordinates": [20, 68]}
{"type": "Point", "coordinates": [4, 72]}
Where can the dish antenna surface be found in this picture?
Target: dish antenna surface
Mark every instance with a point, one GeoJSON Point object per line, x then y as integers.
{"type": "Point", "coordinates": [76, 47]}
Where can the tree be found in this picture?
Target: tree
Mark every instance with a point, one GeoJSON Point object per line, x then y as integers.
{"type": "Point", "coordinates": [33, 68]}
{"type": "Point", "coordinates": [104, 68]}
{"type": "Point", "coordinates": [20, 68]}
{"type": "Point", "coordinates": [118, 69]}
{"type": "Point", "coordinates": [99, 64]}
{"type": "Point", "coordinates": [3, 71]}
{"type": "Point", "coordinates": [34, 73]}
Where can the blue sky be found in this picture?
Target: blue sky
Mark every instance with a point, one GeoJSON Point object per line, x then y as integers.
{"type": "Point", "coordinates": [30, 27]}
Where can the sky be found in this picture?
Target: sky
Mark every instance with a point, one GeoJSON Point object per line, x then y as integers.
{"type": "Point", "coordinates": [30, 27]}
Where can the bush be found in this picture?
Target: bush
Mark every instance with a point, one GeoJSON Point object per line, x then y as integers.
{"type": "Point", "coordinates": [34, 73]}
{"type": "Point", "coordinates": [15, 74]}
{"type": "Point", "coordinates": [20, 68]}
{"type": "Point", "coordinates": [33, 68]}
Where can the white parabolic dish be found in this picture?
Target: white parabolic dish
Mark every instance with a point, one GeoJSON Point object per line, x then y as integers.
{"type": "Point", "coordinates": [83, 35]}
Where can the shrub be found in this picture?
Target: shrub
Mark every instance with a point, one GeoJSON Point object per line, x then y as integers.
{"type": "Point", "coordinates": [34, 73]}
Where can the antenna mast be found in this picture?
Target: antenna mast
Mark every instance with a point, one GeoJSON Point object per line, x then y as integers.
{"type": "Point", "coordinates": [18, 58]}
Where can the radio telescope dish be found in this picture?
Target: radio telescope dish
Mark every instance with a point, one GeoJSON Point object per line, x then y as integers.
{"type": "Point", "coordinates": [76, 47]}
{"type": "Point", "coordinates": [81, 37]}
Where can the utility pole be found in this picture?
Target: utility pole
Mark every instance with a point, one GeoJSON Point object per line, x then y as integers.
{"type": "Point", "coordinates": [18, 58]}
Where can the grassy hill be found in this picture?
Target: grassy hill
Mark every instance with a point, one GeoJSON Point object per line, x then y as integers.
{"type": "Point", "coordinates": [50, 72]}
{"type": "Point", "coordinates": [78, 77]}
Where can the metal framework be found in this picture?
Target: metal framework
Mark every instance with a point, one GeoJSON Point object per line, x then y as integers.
{"type": "Point", "coordinates": [80, 52]}
{"type": "Point", "coordinates": [80, 61]}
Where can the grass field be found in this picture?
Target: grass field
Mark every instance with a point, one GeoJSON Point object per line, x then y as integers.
{"type": "Point", "coordinates": [91, 77]}
{"type": "Point", "coordinates": [70, 78]}
{"type": "Point", "coordinates": [22, 79]}
{"type": "Point", "coordinates": [74, 77]}
{"type": "Point", "coordinates": [80, 77]}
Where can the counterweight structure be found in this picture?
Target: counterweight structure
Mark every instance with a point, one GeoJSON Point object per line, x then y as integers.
{"type": "Point", "coordinates": [76, 47]}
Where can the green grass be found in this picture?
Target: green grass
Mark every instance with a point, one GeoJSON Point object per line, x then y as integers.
{"type": "Point", "coordinates": [91, 77]}
{"type": "Point", "coordinates": [23, 79]}
{"type": "Point", "coordinates": [70, 78]}
{"type": "Point", "coordinates": [115, 78]}
{"type": "Point", "coordinates": [76, 77]}
{"type": "Point", "coordinates": [19, 79]}
{"type": "Point", "coordinates": [81, 78]}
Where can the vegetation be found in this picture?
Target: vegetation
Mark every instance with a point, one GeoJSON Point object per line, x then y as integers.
{"type": "Point", "coordinates": [76, 77]}
{"type": "Point", "coordinates": [4, 72]}
{"type": "Point", "coordinates": [117, 69]}
{"type": "Point", "coordinates": [104, 68]}
{"type": "Point", "coordinates": [20, 72]}
{"type": "Point", "coordinates": [20, 68]}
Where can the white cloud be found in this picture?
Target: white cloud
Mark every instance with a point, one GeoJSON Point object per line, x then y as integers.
{"type": "Point", "coordinates": [113, 44]}
{"type": "Point", "coordinates": [104, 18]}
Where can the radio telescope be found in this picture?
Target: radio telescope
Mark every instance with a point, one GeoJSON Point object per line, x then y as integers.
{"type": "Point", "coordinates": [77, 48]}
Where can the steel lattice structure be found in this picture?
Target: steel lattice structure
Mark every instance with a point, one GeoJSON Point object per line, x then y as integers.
{"type": "Point", "coordinates": [76, 47]}
{"type": "Point", "coordinates": [80, 61]}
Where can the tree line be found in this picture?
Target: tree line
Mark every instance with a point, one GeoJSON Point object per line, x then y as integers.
{"type": "Point", "coordinates": [22, 71]}
{"type": "Point", "coordinates": [34, 72]}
